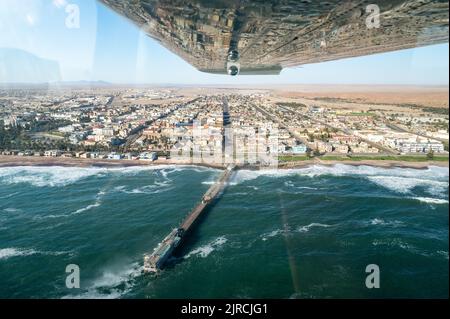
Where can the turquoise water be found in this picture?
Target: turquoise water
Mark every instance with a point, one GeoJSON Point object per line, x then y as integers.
{"type": "Point", "coordinates": [305, 233]}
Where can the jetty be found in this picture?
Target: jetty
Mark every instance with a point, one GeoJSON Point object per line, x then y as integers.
{"type": "Point", "coordinates": [157, 260]}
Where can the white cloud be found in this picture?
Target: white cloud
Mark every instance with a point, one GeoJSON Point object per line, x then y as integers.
{"type": "Point", "coordinates": [31, 20]}
{"type": "Point", "coordinates": [59, 3]}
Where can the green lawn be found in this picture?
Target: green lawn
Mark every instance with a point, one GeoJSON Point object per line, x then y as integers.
{"type": "Point", "coordinates": [293, 158]}
{"type": "Point", "coordinates": [402, 158]}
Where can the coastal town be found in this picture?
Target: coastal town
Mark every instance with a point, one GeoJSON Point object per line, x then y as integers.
{"type": "Point", "coordinates": [157, 124]}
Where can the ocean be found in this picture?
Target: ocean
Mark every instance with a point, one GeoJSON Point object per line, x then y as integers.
{"type": "Point", "coordinates": [300, 233]}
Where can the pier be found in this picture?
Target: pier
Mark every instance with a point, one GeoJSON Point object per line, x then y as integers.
{"type": "Point", "coordinates": [157, 260]}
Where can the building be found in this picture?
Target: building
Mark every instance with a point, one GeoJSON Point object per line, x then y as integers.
{"type": "Point", "coordinates": [115, 156]}
{"type": "Point", "coordinates": [148, 156]}
{"type": "Point", "coordinates": [425, 147]}
{"type": "Point", "coordinates": [323, 147]}
{"type": "Point", "coordinates": [341, 148]}
{"type": "Point", "coordinates": [52, 153]}
{"type": "Point", "coordinates": [299, 149]}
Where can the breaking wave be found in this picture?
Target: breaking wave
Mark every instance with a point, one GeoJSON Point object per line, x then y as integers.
{"type": "Point", "coordinates": [398, 243]}
{"type": "Point", "coordinates": [7, 253]}
{"type": "Point", "coordinates": [97, 203]}
{"type": "Point", "coordinates": [12, 210]}
{"type": "Point", "coordinates": [394, 243]}
{"type": "Point", "coordinates": [15, 252]}
{"type": "Point", "coordinates": [290, 231]}
{"type": "Point", "coordinates": [9, 195]}
{"type": "Point", "coordinates": [156, 188]}
{"type": "Point", "coordinates": [46, 176]}
{"type": "Point", "coordinates": [402, 180]}
{"type": "Point", "coordinates": [58, 176]}
{"type": "Point", "coordinates": [407, 184]}
{"type": "Point", "coordinates": [382, 222]}
{"type": "Point", "coordinates": [304, 229]}
{"type": "Point", "coordinates": [442, 253]}
{"type": "Point", "coordinates": [112, 284]}
{"type": "Point", "coordinates": [271, 234]}
{"type": "Point", "coordinates": [85, 209]}
{"type": "Point", "coordinates": [206, 250]}
{"type": "Point", "coordinates": [430, 200]}
{"type": "Point", "coordinates": [291, 184]}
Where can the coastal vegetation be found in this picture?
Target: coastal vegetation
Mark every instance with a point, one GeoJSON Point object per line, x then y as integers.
{"type": "Point", "coordinates": [400, 158]}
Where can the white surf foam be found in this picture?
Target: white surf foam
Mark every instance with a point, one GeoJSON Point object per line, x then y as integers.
{"type": "Point", "coordinates": [240, 194]}
{"type": "Point", "coordinates": [442, 253]}
{"type": "Point", "coordinates": [431, 173]}
{"type": "Point", "coordinates": [242, 176]}
{"type": "Point", "coordinates": [431, 200]}
{"type": "Point", "coordinates": [291, 184]}
{"type": "Point", "coordinates": [395, 243]}
{"type": "Point", "coordinates": [46, 176]}
{"type": "Point", "coordinates": [155, 188]}
{"type": "Point", "coordinates": [434, 179]}
{"type": "Point", "coordinates": [382, 222]}
{"type": "Point", "coordinates": [97, 203]}
{"type": "Point", "coordinates": [9, 195]}
{"type": "Point", "coordinates": [306, 187]}
{"type": "Point", "coordinates": [12, 210]}
{"type": "Point", "coordinates": [289, 230]}
{"type": "Point", "coordinates": [406, 184]}
{"type": "Point", "coordinates": [85, 209]}
{"type": "Point", "coordinates": [57, 176]}
{"type": "Point", "coordinates": [206, 250]}
{"type": "Point", "coordinates": [271, 234]}
{"type": "Point", "coordinates": [377, 221]}
{"type": "Point", "coordinates": [7, 253]}
{"type": "Point", "coordinates": [304, 229]}
{"type": "Point", "coordinates": [112, 284]}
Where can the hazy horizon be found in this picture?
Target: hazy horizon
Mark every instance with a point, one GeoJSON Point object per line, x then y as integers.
{"type": "Point", "coordinates": [37, 47]}
{"type": "Point", "coordinates": [100, 83]}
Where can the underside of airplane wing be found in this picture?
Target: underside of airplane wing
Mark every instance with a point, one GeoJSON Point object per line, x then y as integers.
{"type": "Point", "coordinates": [265, 36]}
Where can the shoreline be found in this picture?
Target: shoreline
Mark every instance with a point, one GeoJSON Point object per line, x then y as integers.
{"type": "Point", "coordinates": [17, 161]}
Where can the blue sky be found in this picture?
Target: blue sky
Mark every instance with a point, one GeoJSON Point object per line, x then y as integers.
{"type": "Point", "coordinates": [107, 47]}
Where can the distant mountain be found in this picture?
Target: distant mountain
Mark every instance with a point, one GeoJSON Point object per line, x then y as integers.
{"type": "Point", "coordinates": [81, 83]}
{"type": "Point", "coordinates": [18, 66]}
{"type": "Point", "coordinates": [49, 85]}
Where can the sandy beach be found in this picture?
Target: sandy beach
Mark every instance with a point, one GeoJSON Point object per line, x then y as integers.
{"type": "Point", "coordinates": [14, 161]}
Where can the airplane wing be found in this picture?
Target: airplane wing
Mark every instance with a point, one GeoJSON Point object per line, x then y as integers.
{"type": "Point", "coordinates": [265, 36]}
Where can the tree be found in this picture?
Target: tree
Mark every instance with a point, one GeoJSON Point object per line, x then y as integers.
{"type": "Point", "coordinates": [430, 155]}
